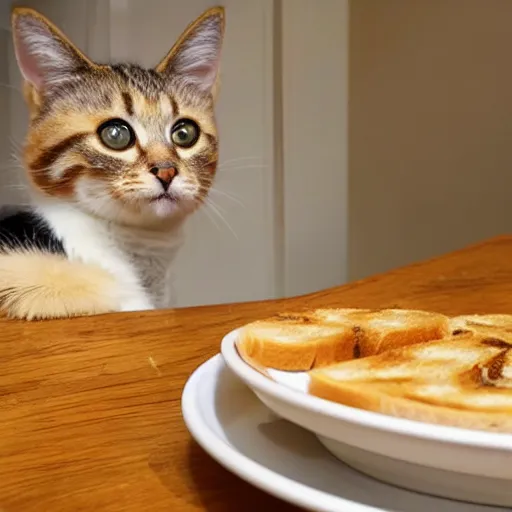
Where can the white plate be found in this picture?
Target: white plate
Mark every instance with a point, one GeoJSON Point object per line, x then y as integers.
{"type": "Point", "coordinates": [237, 430]}
{"type": "Point", "coordinates": [474, 466]}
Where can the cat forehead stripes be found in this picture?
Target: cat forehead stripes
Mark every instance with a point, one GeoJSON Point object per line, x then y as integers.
{"type": "Point", "coordinates": [153, 86]}
{"type": "Point", "coordinates": [106, 88]}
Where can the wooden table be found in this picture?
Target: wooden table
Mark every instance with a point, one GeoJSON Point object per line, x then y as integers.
{"type": "Point", "coordinates": [90, 407]}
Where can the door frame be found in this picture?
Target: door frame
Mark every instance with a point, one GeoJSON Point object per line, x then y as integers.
{"type": "Point", "coordinates": [314, 95]}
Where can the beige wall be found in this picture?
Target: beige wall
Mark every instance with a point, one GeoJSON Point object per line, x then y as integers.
{"type": "Point", "coordinates": [430, 128]}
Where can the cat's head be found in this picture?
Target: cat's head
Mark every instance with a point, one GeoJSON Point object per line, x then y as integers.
{"type": "Point", "coordinates": [132, 145]}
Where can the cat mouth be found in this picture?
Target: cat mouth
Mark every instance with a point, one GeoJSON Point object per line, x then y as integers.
{"type": "Point", "coordinates": [166, 196]}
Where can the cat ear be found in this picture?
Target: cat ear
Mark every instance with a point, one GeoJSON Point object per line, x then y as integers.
{"type": "Point", "coordinates": [45, 55]}
{"type": "Point", "coordinates": [196, 55]}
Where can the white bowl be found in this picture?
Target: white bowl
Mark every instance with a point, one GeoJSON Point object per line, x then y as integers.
{"type": "Point", "coordinates": [467, 465]}
{"type": "Point", "coordinates": [226, 418]}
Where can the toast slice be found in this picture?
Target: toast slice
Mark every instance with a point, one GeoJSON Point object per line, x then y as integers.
{"type": "Point", "coordinates": [463, 381]}
{"type": "Point", "coordinates": [321, 337]}
{"type": "Point", "coordinates": [480, 323]}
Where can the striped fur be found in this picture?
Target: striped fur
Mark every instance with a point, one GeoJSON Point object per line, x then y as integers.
{"type": "Point", "coordinates": [109, 210]}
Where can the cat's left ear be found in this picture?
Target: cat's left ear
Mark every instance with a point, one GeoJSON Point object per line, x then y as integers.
{"type": "Point", "coordinates": [195, 57]}
{"type": "Point", "coordinates": [45, 56]}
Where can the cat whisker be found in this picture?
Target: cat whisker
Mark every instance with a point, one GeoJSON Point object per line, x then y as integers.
{"type": "Point", "coordinates": [239, 159]}
{"type": "Point", "coordinates": [9, 166]}
{"type": "Point", "coordinates": [217, 206]}
{"type": "Point", "coordinates": [16, 154]}
{"type": "Point", "coordinates": [227, 195]}
{"type": "Point", "coordinates": [17, 144]}
{"type": "Point", "coordinates": [242, 168]}
{"type": "Point", "coordinates": [10, 86]}
{"type": "Point", "coordinates": [15, 159]}
{"type": "Point", "coordinates": [216, 209]}
{"type": "Point", "coordinates": [210, 216]}
{"type": "Point", "coordinates": [14, 186]}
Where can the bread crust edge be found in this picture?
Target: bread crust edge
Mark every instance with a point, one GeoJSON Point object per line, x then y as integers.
{"type": "Point", "coordinates": [364, 396]}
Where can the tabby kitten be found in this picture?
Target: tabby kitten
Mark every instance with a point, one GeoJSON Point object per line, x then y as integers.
{"type": "Point", "coordinates": [117, 157]}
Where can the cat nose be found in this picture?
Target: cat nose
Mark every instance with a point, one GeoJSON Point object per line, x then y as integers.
{"type": "Point", "coordinates": [164, 173]}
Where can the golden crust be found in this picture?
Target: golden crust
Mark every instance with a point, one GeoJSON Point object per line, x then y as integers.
{"type": "Point", "coordinates": [320, 350]}
{"type": "Point", "coordinates": [318, 338]}
{"type": "Point", "coordinates": [365, 396]}
{"type": "Point", "coordinates": [480, 323]}
{"type": "Point", "coordinates": [460, 381]}
{"type": "Point", "coordinates": [411, 364]}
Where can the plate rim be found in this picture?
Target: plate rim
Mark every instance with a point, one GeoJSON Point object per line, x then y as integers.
{"type": "Point", "coordinates": [256, 474]}
{"type": "Point", "coordinates": [408, 428]}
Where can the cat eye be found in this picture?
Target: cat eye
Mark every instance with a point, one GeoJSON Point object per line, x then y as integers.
{"type": "Point", "coordinates": [185, 133]}
{"type": "Point", "coordinates": [116, 134]}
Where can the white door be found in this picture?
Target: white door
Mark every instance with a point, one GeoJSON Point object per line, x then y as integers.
{"type": "Point", "coordinates": [277, 223]}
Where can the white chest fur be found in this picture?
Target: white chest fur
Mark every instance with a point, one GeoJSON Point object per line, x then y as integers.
{"type": "Point", "coordinates": [140, 259]}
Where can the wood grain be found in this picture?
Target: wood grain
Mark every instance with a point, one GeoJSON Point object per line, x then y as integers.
{"type": "Point", "coordinates": [88, 423]}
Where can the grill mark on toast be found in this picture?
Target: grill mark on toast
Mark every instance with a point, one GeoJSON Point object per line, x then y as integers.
{"type": "Point", "coordinates": [294, 317]}
{"type": "Point", "coordinates": [458, 332]}
{"type": "Point", "coordinates": [496, 342]}
{"type": "Point", "coordinates": [492, 371]}
{"type": "Point", "coordinates": [358, 338]}
{"type": "Point", "coordinates": [495, 368]}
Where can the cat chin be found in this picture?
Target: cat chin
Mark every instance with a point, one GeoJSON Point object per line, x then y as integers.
{"type": "Point", "coordinates": [164, 207]}
{"type": "Point", "coordinates": [159, 213]}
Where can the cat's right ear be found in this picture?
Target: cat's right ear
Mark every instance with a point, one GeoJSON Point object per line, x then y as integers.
{"type": "Point", "coordinates": [195, 56]}
{"type": "Point", "coordinates": [45, 56]}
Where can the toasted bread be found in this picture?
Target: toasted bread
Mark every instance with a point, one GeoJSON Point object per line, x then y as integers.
{"type": "Point", "coordinates": [463, 381]}
{"type": "Point", "coordinates": [318, 338]}
{"type": "Point", "coordinates": [480, 323]}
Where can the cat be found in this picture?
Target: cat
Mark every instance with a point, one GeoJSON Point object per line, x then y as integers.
{"type": "Point", "coordinates": [117, 157]}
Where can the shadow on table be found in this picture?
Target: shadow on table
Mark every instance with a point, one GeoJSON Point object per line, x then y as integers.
{"type": "Point", "coordinates": [214, 485]}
